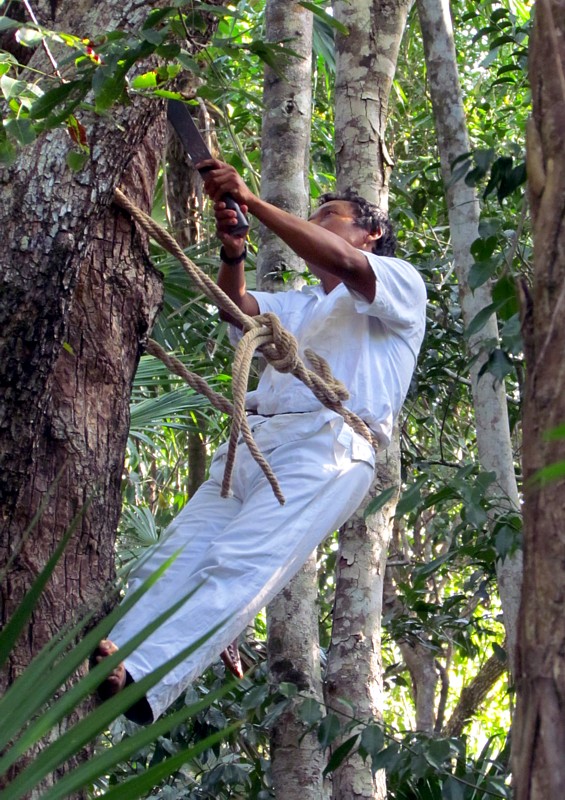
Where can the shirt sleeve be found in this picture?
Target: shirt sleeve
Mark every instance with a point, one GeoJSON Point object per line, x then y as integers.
{"type": "Point", "coordinates": [400, 296]}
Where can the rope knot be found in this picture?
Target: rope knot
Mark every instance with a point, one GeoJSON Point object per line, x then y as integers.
{"type": "Point", "coordinates": [282, 351]}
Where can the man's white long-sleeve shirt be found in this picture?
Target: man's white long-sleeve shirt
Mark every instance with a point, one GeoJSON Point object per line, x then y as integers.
{"type": "Point", "coordinates": [371, 347]}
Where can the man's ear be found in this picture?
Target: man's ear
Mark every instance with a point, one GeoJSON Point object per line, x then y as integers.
{"type": "Point", "coordinates": [372, 236]}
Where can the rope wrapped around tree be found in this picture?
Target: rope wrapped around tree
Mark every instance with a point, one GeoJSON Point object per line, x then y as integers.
{"type": "Point", "coordinates": [263, 332]}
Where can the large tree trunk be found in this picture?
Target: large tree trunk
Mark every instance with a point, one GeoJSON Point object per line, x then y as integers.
{"type": "Point", "coordinates": [539, 727]}
{"type": "Point", "coordinates": [489, 398]}
{"type": "Point", "coordinates": [79, 295]}
{"type": "Point", "coordinates": [365, 64]}
{"type": "Point", "coordinates": [292, 617]}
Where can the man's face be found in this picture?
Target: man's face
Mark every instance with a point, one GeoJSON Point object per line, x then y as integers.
{"type": "Point", "coordinates": [338, 216]}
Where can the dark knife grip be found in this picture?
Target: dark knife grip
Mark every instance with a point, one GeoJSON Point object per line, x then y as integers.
{"type": "Point", "coordinates": [242, 224]}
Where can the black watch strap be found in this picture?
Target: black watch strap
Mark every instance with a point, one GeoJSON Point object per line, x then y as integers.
{"type": "Point", "coordinates": [231, 262]}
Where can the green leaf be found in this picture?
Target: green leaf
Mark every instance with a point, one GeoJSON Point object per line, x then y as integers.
{"type": "Point", "coordinates": [328, 729]}
{"type": "Point", "coordinates": [169, 50]}
{"type": "Point", "coordinates": [555, 433]}
{"type": "Point", "coordinates": [387, 758]}
{"type": "Point", "coordinates": [29, 37]}
{"type": "Point", "coordinates": [310, 711]}
{"type": "Point", "coordinates": [453, 789]}
{"type": "Point", "coordinates": [12, 88]}
{"type": "Point", "coordinates": [480, 320]}
{"type": "Point", "coordinates": [15, 625]}
{"type": "Point", "coordinates": [48, 102]}
{"type": "Point", "coordinates": [146, 81]}
{"type": "Point", "coordinates": [255, 697]}
{"type": "Point", "coordinates": [505, 295]}
{"type": "Point", "coordinates": [498, 364]}
{"type": "Point", "coordinates": [154, 37]}
{"type": "Point", "coordinates": [189, 62]}
{"type": "Point", "coordinates": [372, 739]}
{"type": "Point", "coordinates": [437, 752]}
{"type": "Point", "coordinates": [411, 498]}
{"type": "Point", "coordinates": [481, 271]}
{"type": "Point", "coordinates": [21, 129]}
{"type": "Point", "coordinates": [553, 472]}
{"type": "Point", "coordinates": [6, 23]}
{"type": "Point", "coordinates": [141, 784]}
{"type": "Point", "coordinates": [92, 725]}
{"type": "Point", "coordinates": [340, 754]}
{"type": "Point", "coordinates": [8, 152]}
{"type": "Point", "coordinates": [482, 249]}
{"type": "Point", "coordinates": [506, 540]}
{"type": "Point", "coordinates": [327, 18]}
{"type": "Point", "coordinates": [45, 674]}
{"type": "Point", "coordinates": [434, 565]}
{"type": "Point", "coordinates": [287, 689]}
{"type": "Point", "coordinates": [108, 87]}
{"type": "Point", "coordinates": [511, 335]}
{"type": "Point", "coordinates": [379, 501]}
{"type": "Point", "coordinates": [156, 15]}
{"type": "Point", "coordinates": [500, 652]}
{"type": "Point", "coordinates": [76, 159]}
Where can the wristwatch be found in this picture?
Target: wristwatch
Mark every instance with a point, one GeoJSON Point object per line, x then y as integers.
{"type": "Point", "coordinates": [231, 262]}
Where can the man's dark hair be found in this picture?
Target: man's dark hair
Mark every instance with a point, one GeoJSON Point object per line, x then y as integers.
{"type": "Point", "coordinates": [370, 218]}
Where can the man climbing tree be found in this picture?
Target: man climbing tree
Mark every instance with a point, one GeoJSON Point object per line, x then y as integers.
{"type": "Point", "coordinates": [366, 318]}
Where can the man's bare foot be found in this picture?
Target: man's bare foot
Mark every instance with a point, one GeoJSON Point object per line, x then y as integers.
{"type": "Point", "coordinates": [140, 712]}
{"type": "Point", "coordinates": [116, 680]}
{"type": "Point", "coordinates": [231, 658]}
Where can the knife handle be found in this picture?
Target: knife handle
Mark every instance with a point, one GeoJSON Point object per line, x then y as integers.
{"type": "Point", "coordinates": [242, 224]}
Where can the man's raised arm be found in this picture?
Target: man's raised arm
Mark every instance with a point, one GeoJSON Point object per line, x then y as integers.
{"type": "Point", "coordinates": [323, 250]}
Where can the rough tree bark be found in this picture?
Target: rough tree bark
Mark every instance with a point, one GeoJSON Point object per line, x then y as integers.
{"type": "Point", "coordinates": [365, 65]}
{"type": "Point", "coordinates": [292, 645]}
{"type": "Point", "coordinates": [78, 297]}
{"type": "Point", "coordinates": [539, 726]}
{"type": "Point", "coordinates": [489, 398]}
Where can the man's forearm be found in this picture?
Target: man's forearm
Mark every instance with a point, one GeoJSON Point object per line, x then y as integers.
{"type": "Point", "coordinates": [231, 280]}
{"type": "Point", "coordinates": [318, 247]}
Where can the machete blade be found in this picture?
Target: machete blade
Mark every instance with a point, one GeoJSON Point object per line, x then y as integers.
{"type": "Point", "coordinates": [180, 118]}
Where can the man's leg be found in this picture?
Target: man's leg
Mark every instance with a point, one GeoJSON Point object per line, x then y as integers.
{"type": "Point", "coordinates": [249, 560]}
{"type": "Point", "coordinates": [188, 537]}
{"type": "Point", "coordinates": [255, 555]}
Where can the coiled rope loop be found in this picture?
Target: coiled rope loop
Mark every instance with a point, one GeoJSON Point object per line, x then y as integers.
{"type": "Point", "coordinates": [263, 332]}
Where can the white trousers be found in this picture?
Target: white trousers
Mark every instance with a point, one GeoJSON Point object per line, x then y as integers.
{"type": "Point", "coordinates": [242, 550]}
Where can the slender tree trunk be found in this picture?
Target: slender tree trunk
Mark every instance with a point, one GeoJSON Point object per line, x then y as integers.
{"type": "Point", "coordinates": [365, 65]}
{"type": "Point", "coordinates": [474, 695]}
{"type": "Point", "coordinates": [292, 645]}
{"type": "Point", "coordinates": [489, 398]}
{"type": "Point", "coordinates": [285, 137]}
{"type": "Point", "coordinates": [539, 728]}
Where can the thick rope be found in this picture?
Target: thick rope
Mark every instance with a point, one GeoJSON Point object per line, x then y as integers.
{"type": "Point", "coordinates": [263, 332]}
